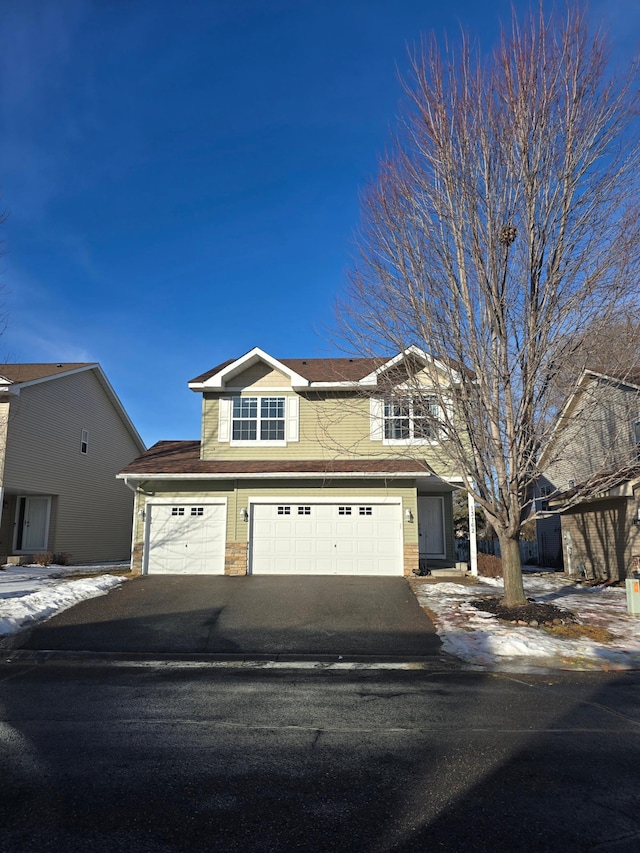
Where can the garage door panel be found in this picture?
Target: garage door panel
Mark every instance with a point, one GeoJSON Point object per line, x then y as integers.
{"type": "Point", "coordinates": [186, 538]}
{"type": "Point", "coordinates": [345, 537]}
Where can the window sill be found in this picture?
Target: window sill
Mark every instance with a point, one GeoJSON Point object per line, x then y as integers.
{"type": "Point", "coordinates": [409, 442]}
{"type": "Point", "coordinates": [257, 443]}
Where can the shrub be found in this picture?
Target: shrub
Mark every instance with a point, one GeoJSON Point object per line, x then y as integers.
{"type": "Point", "coordinates": [62, 558]}
{"type": "Point", "coordinates": [489, 566]}
{"type": "Point", "coordinates": [44, 558]}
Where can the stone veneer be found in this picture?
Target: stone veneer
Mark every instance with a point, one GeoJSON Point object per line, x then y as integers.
{"type": "Point", "coordinates": [411, 559]}
{"type": "Point", "coordinates": [136, 558]}
{"type": "Point", "coordinates": [235, 558]}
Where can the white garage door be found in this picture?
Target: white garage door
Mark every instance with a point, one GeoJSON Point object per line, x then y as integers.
{"type": "Point", "coordinates": [186, 538]}
{"type": "Point", "coordinates": [326, 539]}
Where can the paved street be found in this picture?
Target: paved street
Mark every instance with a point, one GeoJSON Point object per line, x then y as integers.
{"type": "Point", "coordinates": [115, 758]}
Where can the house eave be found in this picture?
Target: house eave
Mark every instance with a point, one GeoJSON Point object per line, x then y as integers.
{"type": "Point", "coordinates": [219, 380]}
{"type": "Point", "coordinates": [284, 475]}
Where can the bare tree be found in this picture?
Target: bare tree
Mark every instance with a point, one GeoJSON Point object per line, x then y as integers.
{"type": "Point", "coordinates": [502, 225]}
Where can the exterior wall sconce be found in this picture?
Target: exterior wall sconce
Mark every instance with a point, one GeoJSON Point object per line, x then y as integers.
{"type": "Point", "coordinates": [408, 514]}
{"type": "Point", "coordinates": [636, 520]}
{"type": "Point", "coordinates": [244, 514]}
{"type": "Point", "coordinates": [142, 513]}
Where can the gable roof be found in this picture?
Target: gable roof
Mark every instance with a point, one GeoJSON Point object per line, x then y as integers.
{"type": "Point", "coordinates": [317, 371]}
{"type": "Point", "coordinates": [313, 369]}
{"type": "Point", "coordinates": [182, 459]}
{"type": "Point", "coordinates": [631, 379]}
{"type": "Point", "coordinates": [301, 371]}
{"type": "Point", "coordinates": [14, 377]}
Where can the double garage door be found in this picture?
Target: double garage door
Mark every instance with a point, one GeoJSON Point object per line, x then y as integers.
{"type": "Point", "coordinates": [298, 538]}
{"type": "Point", "coordinates": [306, 538]}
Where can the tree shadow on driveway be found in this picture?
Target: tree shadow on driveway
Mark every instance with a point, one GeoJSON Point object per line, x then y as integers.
{"type": "Point", "coordinates": [339, 616]}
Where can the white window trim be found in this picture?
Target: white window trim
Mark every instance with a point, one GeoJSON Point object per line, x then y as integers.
{"type": "Point", "coordinates": [405, 442]}
{"type": "Point", "coordinates": [291, 421]}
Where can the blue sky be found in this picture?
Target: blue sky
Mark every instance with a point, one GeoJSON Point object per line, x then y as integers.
{"type": "Point", "coordinates": [182, 178]}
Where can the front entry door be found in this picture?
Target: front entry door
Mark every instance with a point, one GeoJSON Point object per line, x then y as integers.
{"type": "Point", "coordinates": [431, 527]}
{"type": "Point", "coordinates": [32, 528]}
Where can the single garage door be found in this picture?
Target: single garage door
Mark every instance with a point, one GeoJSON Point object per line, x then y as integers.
{"type": "Point", "coordinates": [186, 538]}
{"type": "Point", "coordinates": [306, 538]}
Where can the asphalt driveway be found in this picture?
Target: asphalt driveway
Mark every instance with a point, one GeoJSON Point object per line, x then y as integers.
{"type": "Point", "coordinates": [246, 616]}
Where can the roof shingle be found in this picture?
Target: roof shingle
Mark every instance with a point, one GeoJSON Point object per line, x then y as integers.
{"type": "Point", "coordinates": [17, 373]}
{"type": "Point", "coordinates": [183, 457]}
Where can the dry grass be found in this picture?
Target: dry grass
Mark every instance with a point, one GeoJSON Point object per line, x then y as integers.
{"type": "Point", "coordinates": [489, 566]}
{"type": "Point", "coordinates": [575, 631]}
{"type": "Point", "coordinates": [121, 573]}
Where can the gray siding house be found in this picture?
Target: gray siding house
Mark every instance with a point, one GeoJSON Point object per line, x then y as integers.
{"type": "Point", "coordinates": [592, 478]}
{"type": "Point", "coordinates": [64, 435]}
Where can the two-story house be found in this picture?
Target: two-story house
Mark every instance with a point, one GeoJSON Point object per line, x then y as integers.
{"type": "Point", "coordinates": [590, 492]}
{"type": "Point", "coordinates": [64, 435]}
{"type": "Point", "coordinates": [305, 466]}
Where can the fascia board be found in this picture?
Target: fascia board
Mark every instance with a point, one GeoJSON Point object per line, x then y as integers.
{"type": "Point", "coordinates": [115, 400]}
{"type": "Point", "coordinates": [15, 387]}
{"type": "Point", "coordinates": [561, 417]}
{"type": "Point", "coordinates": [219, 380]}
{"type": "Point", "coordinates": [372, 378]}
{"type": "Point", "coordinates": [613, 379]}
{"type": "Point", "coordinates": [57, 375]}
{"type": "Point", "coordinates": [280, 475]}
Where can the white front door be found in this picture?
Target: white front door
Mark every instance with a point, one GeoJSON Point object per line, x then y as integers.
{"type": "Point", "coordinates": [32, 527]}
{"type": "Point", "coordinates": [343, 538]}
{"type": "Point", "coordinates": [186, 538]}
{"type": "Point", "coordinates": [431, 527]}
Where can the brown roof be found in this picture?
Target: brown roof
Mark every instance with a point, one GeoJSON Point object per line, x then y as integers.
{"type": "Point", "coordinates": [183, 457]}
{"type": "Point", "coordinates": [317, 369]}
{"type": "Point", "coordinates": [29, 372]}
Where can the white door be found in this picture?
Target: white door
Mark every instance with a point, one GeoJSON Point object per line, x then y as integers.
{"type": "Point", "coordinates": [186, 538]}
{"type": "Point", "coordinates": [431, 527]}
{"type": "Point", "coordinates": [306, 538]}
{"type": "Point", "coordinates": [32, 529]}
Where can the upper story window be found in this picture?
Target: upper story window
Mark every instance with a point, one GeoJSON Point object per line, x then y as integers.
{"type": "Point", "coordinates": [411, 419]}
{"type": "Point", "coordinates": [271, 421]}
{"type": "Point", "coordinates": [84, 441]}
{"type": "Point", "coordinates": [258, 419]}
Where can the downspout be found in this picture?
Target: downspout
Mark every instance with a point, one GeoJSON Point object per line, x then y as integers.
{"type": "Point", "coordinates": [135, 491]}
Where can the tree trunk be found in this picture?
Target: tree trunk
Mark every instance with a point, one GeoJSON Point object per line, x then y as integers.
{"type": "Point", "coordinates": [511, 572]}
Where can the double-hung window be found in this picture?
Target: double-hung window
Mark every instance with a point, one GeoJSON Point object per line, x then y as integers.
{"type": "Point", "coordinates": [258, 419]}
{"type": "Point", "coordinates": [411, 419]}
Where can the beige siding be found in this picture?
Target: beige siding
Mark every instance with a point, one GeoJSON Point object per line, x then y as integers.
{"type": "Point", "coordinates": [332, 426]}
{"type": "Point", "coordinates": [239, 494]}
{"type": "Point", "coordinates": [603, 538]}
{"type": "Point", "coordinates": [91, 514]}
{"type": "Point", "coordinates": [260, 376]}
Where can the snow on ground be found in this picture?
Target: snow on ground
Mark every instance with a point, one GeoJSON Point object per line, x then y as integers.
{"type": "Point", "coordinates": [479, 638]}
{"type": "Point", "coordinates": [30, 594]}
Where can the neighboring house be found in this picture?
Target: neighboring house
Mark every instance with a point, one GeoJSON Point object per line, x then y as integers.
{"type": "Point", "coordinates": [301, 469]}
{"type": "Point", "coordinates": [64, 436]}
{"type": "Point", "coordinates": [592, 475]}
